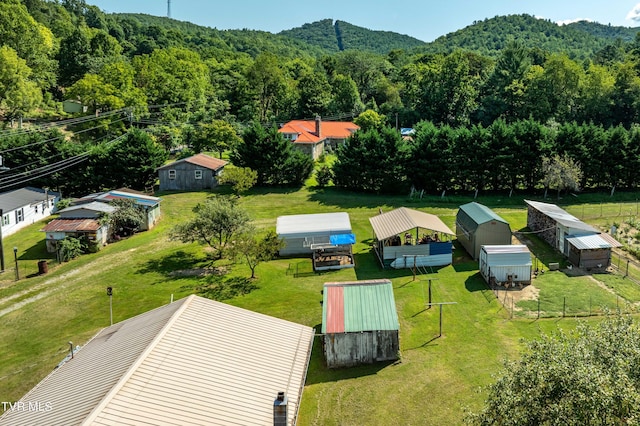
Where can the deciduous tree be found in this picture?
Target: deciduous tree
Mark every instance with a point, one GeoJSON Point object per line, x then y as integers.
{"type": "Point", "coordinates": [586, 377]}
{"type": "Point", "coordinates": [241, 179]}
{"type": "Point", "coordinates": [216, 223]}
{"type": "Point", "coordinates": [254, 249]}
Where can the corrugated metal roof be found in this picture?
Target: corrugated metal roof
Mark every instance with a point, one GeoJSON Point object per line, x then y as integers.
{"type": "Point", "coordinates": [202, 160]}
{"type": "Point", "coordinates": [480, 213]}
{"type": "Point", "coordinates": [71, 225]}
{"type": "Point", "coordinates": [365, 306]}
{"type": "Point", "coordinates": [507, 255]}
{"type": "Point", "coordinates": [304, 224]}
{"type": "Point", "coordinates": [95, 206]}
{"type": "Point", "coordinates": [12, 200]}
{"type": "Point", "coordinates": [561, 216]}
{"type": "Point", "coordinates": [608, 238]}
{"type": "Point", "coordinates": [395, 222]}
{"type": "Point", "coordinates": [333, 315]}
{"type": "Point", "coordinates": [192, 362]}
{"type": "Point", "coordinates": [140, 199]}
{"type": "Point", "coordinates": [507, 248]}
{"type": "Point", "coordinates": [588, 242]}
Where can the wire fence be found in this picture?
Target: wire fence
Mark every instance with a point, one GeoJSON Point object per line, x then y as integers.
{"type": "Point", "coordinates": [625, 265]}
{"type": "Point", "coordinates": [566, 306]}
{"type": "Point", "coordinates": [600, 210]}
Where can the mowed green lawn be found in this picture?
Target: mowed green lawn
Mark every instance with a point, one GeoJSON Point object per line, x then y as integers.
{"type": "Point", "coordinates": [434, 382]}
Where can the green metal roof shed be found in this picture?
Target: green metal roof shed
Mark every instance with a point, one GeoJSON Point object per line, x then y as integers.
{"type": "Point", "coordinates": [359, 322]}
{"type": "Point", "coordinates": [478, 225]}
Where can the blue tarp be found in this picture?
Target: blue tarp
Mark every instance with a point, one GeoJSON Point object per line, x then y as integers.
{"type": "Point", "coordinates": [440, 248]}
{"type": "Point", "coordinates": [342, 239]}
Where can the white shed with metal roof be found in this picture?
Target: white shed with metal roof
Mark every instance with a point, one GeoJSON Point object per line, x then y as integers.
{"type": "Point", "coordinates": [505, 264]}
{"type": "Point", "coordinates": [191, 362]}
{"type": "Point", "coordinates": [300, 232]}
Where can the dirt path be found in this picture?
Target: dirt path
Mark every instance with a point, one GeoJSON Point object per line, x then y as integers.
{"type": "Point", "coordinates": [62, 281]}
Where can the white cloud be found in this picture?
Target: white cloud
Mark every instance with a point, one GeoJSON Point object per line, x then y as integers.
{"type": "Point", "coordinates": [634, 14]}
{"type": "Point", "coordinates": [572, 21]}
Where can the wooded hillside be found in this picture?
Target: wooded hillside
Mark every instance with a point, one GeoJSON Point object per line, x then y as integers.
{"type": "Point", "coordinates": [182, 83]}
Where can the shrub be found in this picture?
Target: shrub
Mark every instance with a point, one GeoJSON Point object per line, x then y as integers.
{"type": "Point", "coordinates": [324, 175]}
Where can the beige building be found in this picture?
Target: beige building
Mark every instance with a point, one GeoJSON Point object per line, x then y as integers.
{"type": "Point", "coordinates": [191, 362]}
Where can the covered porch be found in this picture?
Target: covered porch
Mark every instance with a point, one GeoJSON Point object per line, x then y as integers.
{"type": "Point", "coordinates": [404, 238]}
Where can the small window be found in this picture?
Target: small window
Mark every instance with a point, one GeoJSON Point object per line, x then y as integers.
{"type": "Point", "coordinates": [198, 174]}
{"type": "Point", "coordinates": [172, 174]}
{"type": "Point", "coordinates": [5, 219]}
{"type": "Point", "coordinates": [35, 208]}
{"type": "Point", "coordinates": [19, 215]}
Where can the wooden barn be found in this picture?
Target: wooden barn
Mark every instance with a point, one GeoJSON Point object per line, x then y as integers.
{"type": "Point", "coordinates": [196, 173]}
{"type": "Point", "coordinates": [478, 225]}
{"type": "Point", "coordinates": [327, 237]}
{"type": "Point", "coordinates": [505, 264]}
{"type": "Point", "coordinates": [585, 246]}
{"type": "Point", "coordinates": [404, 237]}
{"type": "Point", "coordinates": [359, 323]}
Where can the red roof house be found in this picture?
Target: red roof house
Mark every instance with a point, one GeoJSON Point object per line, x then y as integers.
{"type": "Point", "coordinates": [312, 136]}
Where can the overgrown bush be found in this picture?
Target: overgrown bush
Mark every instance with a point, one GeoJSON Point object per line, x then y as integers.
{"type": "Point", "coordinates": [70, 248]}
{"type": "Point", "coordinates": [324, 175]}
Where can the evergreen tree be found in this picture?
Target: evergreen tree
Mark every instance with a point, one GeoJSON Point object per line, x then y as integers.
{"type": "Point", "coordinates": [372, 161]}
{"type": "Point", "coordinates": [274, 158]}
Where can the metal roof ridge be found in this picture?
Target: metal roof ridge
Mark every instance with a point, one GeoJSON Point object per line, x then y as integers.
{"type": "Point", "coordinates": [91, 418]}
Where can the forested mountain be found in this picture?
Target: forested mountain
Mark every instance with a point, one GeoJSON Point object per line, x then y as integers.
{"type": "Point", "coordinates": [342, 35]}
{"type": "Point", "coordinates": [187, 85]}
{"type": "Point", "coordinates": [490, 36]}
{"type": "Point", "coordinates": [170, 32]}
{"type": "Point", "coordinates": [606, 31]}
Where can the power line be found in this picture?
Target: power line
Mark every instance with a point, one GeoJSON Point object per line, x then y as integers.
{"type": "Point", "coordinates": [29, 175]}
{"type": "Point", "coordinates": [62, 123]}
{"type": "Point", "coordinates": [16, 148]}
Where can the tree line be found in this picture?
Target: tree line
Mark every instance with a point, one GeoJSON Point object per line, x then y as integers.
{"type": "Point", "coordinates": [54, 51]}
{"type": "Point", "coordinates": [501, 156]}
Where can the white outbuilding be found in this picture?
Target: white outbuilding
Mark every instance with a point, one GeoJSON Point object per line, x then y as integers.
{"type": "Point", "coordinates": [301, 231]}
{"type": "Point", "coordinates": [502, 264]}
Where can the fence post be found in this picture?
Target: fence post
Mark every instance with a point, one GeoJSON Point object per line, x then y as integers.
{"type": "Point", "coordinates": [626, 274]}
{"type": "Point", "coordinates": [512, 307]}
{"type": "Point", "coordinates": [564, 306]}
{"type": "Point", "coordinates": [589, 305]}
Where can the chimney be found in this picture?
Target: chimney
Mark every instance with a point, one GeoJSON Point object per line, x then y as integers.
{"type": "Point", "coordinates": [318, 126]}
{"type": "Point", "coordinates": [280, 410]}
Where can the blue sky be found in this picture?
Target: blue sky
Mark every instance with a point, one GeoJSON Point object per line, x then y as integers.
{"type": "Point", "coordinates": [422, 19]}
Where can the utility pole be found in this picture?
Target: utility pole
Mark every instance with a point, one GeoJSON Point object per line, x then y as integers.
{"type": "Point", "coordinates": [110, 294]}
{"type": "Point", "coordinates": [15, 256]}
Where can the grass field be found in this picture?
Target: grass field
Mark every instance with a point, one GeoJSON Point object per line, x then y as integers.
{"type": "Point", "coordinates": [434, 382]}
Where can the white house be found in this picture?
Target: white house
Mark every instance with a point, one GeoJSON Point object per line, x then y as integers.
{"type": "Point", "coordinates": [25, 206]}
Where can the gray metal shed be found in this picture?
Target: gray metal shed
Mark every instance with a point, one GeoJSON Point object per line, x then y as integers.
{"type": "Point", "coordinates": [478, 225]}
